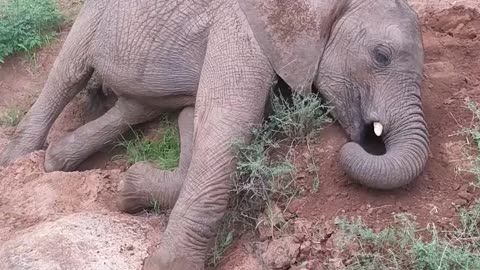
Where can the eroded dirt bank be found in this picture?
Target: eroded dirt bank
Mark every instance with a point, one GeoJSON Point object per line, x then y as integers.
{"type": "Point", "coordinates": [69, 220]}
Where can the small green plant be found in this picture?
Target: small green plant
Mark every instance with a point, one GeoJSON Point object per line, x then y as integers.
{"type": "Point", "coordinates": [26, 25]}
{"type": "Point", "coordinates": [474, 131]}
{"type": "Point", "coordinates": [262, 179]}
{"type": "Point", "coordinates": [258, 176]}
{"type": "Point", "coordinates": [303, 118]}
{"type": "Point", "coordinates": [400, 246]}
{"type": "Point", "coordinates": [156, 207]}
{"type": "Point", "coordinates": [259, 180]}
{"type": "Point", "coordinates": [12, 116]}
{"type": "Point", "coordinates": [223, 239]}
{"type": "Point", "coordinates": [164, 152]}
{"type": "Point", "coordinates": [470, 224]}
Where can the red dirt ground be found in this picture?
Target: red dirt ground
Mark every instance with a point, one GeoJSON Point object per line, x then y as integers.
{"type": "Point", "coordinates": [452, 76]}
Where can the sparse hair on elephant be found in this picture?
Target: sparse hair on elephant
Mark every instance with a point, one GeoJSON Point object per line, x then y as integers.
{"type": "Point", "coordinates": [215, 61]}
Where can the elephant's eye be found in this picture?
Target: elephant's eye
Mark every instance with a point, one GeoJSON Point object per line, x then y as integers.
{"type": "Point", "coordinates": [382, 56]}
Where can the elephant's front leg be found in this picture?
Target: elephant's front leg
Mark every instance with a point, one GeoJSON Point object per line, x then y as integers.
{"type": "Point", "coordinates": [233, 89]}
{"type": "Point", "coordinates": [204, 196]}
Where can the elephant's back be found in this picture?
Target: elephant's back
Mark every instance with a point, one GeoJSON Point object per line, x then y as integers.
{"type": "Point", "coordinates": [151, 45]}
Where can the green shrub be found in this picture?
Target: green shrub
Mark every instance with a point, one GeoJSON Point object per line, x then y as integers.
{"type": "Point", "coordinates": [261, 179]}
{"type": "Point", "coordinates": [26, 25]}
{"type": "Point", "coordinates": [302, 119]}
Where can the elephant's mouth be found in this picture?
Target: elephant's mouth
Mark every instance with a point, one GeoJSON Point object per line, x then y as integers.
{"type": "Point", "coordinates": [372, 143]}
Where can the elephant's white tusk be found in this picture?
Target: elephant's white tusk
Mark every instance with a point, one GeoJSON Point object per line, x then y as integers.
{"type": "Point", "coordinates": [378, 128]}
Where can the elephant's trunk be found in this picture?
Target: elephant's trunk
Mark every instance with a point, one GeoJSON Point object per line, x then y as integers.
{"type": "Point", "coordinates": [406, 152]}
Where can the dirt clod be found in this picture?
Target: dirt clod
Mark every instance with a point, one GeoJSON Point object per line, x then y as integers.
{"type": "Point", "coordinates": [460, 202]}
{"type": "Point", "coordinates": [465, 195]}
{"type": "Point", "coordinates": [281, 253]}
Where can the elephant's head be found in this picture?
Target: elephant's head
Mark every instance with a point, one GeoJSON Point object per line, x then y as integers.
{"type": "Point", "coordinates": [365, 57]}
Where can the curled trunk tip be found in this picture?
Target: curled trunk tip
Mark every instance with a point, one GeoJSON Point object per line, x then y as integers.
{"type": "Point", "coordinates": [397, 167]}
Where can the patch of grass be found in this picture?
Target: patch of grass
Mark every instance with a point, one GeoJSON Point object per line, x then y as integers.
{"type": "Point", "coordinates": [265, 174]}
{"type": "Point", "coordinates": [470, 224]}
{"type": "Point", "coordinates": [474, 133]}
{"type": "Point", "coordinates": [164, 152]}
{"type": "Point", "coordinates": [302, 119]}
{"type": "Point", "coordinates": [262, 179]}
{"type": "Point", "coordinates": [26, 25]}
{"type": "Point", "coordinates": [12, 116]}
{"type": "Point", "coordinates": [401, 247]}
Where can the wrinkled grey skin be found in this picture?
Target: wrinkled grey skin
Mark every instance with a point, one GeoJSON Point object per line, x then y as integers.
{"type": "Point", "coordinates": [221, 56]}
{"type": "Point", "coordinates": [100, 97]}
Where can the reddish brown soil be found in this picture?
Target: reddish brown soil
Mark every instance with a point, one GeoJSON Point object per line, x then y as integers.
{"type": "Point", "coordinates": [452, 76]}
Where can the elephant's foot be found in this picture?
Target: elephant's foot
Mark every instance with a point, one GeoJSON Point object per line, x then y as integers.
{"type": "Point", "coordinates": [145, 185]}
{"type": "Point", "coordinates": [8, 156]}
{"type": "Point", "coordinates": [134, 194]}
{"type": "Point", "coordinates": [15, 150]}
{"type": "Point", "coordinates": [163, 260]}
{"type": "Point", "coordinates": [60, 156]}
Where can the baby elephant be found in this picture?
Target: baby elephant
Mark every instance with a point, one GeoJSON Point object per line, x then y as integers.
{"type": "Point", "coordinates": [365, 57]}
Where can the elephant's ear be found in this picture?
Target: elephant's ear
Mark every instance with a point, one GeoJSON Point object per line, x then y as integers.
{"type": "Point", "coordinates": [293, 35]}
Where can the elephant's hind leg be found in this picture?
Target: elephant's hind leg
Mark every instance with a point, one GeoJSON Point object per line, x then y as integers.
{"type": "Point", "coordinates": [145, 184]}
{"type": "Point", "coordinates": [67, 153]}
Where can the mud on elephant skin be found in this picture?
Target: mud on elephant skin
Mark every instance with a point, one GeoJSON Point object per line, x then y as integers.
{"type": "Point", "coordinates": [221, 56]}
